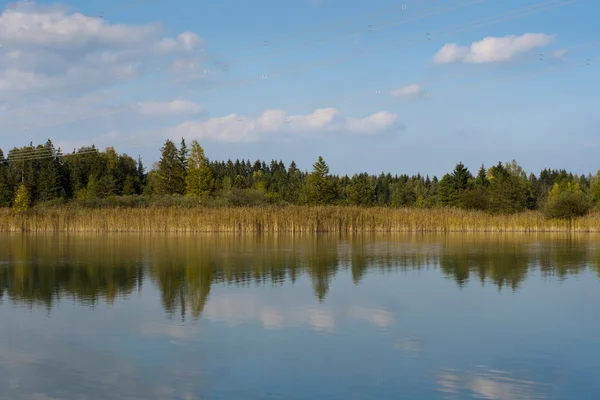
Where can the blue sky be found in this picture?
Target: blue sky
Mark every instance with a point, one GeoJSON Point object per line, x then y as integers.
{"type": "Point", "coordinates": [359, 104]}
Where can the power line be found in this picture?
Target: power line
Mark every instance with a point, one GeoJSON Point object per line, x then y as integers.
{"type": "Point", "coordinates": [42, 157]}
{"type": "Point", "coordinates": [456, 29]}
{"type": "Point", "coordinates": [360, 29]}
{"type": "Point", "coordinates": [261, 44]}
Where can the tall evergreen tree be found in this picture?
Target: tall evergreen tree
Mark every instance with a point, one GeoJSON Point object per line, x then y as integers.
{"type": "Point", "coordinates": [482, 179]}
{"type": "Point", "coordinates": [183, 154]}
{"type": "Point", "coordinates": [319, 187]}
{"type": "Point", "coordinates": [49, 180]}
{"type": "Point", "coordinates": [170, 174]}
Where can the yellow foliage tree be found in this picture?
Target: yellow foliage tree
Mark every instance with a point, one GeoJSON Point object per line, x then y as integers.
{"type": "Point", "coordinates": [199, 179]}
{"type": "Point", "coordinates": [22, 200]}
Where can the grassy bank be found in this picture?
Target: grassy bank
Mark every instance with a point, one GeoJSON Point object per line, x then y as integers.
{"type": "Point", "coordinates": [283, 219]}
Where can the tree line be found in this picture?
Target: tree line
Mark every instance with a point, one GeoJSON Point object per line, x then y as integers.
{"type": "Point", "coordinates": [42, 174]}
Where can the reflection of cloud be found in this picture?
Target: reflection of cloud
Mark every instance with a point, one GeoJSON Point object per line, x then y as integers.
{"type": "Point", "coordinates": [271, 318]}
{"type": "Point", "coordinates": [235, 309]}
{"type": "Point", "coordinates": [319, 319]}
{"type": "Point", "coordinates": [487, 384]}
{"type": "Point", "coordinates": [375, 316]}
{"type": "Point", "coordinates": [409, 346]}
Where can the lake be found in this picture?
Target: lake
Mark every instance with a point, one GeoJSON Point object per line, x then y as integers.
{"type": "Point", "coordinates": [416, 316]}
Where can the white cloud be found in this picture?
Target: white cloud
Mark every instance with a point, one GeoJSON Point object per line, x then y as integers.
{"type": "Point", "coordinates": [25, 23]}
{"type": "Point", "coordinates": [237, 128]}
{"type": "Point", "coordinates": [175, 107]}
{"type": "Point", "coordinates": [559, 54]}
{"type": "Point", "coordinates": [46, 48]}
{"type": "Point", "coordinates": [187, 41]}
{"type": "Point", "coordinates": [409, 91]}
{"type": "Point", "coordinates": [492, 49]}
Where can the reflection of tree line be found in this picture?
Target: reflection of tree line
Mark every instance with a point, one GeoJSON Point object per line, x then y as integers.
{"type": "Point", "coordinates": [39, 273]}
{"type": "Point", "coordinates": [43, 270]}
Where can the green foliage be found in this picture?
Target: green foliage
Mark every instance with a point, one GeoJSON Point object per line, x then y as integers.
{"type": "Point", "coordinates": [22, 199]}
{"type": "Point", "coordinates": [5, 195]}
{"type": "Point", "coordinates": [402, 194]}
{"type": "Point", "coordinates": [482, 179]}
{"type": "Point", "coordinates": [461, 178]}
{"type": "Point", "coordinates": [5, 186]}
{"type": "Point", "coordinates": [595, 188]}
{"type": "Point", "coordinates": [451, 187]}
{"type": "Point", "coordinates": [477, 198]}
{"type": "Point", "coordinates": [171, 171]}
{"type": "Point", "coordinates": [319, 188]}
{"type": "Point", "coordinates": [567, 201]}
{"type": "Point", "coordinates": [447, 196]}
{"type": "Point", "coordinates": [361, 191]}
{"type": "Point", "coordinates": [94, 177]}
{"type": "Point", "coordinates": [509, 189]}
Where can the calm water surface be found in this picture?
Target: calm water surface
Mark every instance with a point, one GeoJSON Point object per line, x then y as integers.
{"type": "Point", "coordinates": [241, 317]}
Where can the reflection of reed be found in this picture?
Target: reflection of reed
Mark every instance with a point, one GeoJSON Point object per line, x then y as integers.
{"type": "Point", "coordinates": [43, 269]}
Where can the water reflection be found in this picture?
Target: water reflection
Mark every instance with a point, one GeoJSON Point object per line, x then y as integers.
{"type": "Point", "coordinates": [43, 270]}
{"type": "Point", "coordinates": [358, 317]}
{"type": "Point", "coordinates": [486, 383]}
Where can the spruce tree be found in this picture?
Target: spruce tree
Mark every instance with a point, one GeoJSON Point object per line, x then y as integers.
{"type": "Point", "coordinates": [320, 189]}
{"type": "Point", "coordinates": [171, 177]}
{"type": "Point", "coordinates": [183, 154]}
{"type": "Point", "coordinates": [482, 179]}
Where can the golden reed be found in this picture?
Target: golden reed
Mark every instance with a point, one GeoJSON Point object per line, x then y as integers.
{"type": "Point", "coordinates": [289, 219]}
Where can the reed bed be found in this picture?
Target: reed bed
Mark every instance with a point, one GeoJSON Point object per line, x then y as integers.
{"type": "Point", "coordinates": [291, 219]}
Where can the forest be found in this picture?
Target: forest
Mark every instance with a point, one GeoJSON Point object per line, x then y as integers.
{"type": "Point", "coordinates": [34, 176]}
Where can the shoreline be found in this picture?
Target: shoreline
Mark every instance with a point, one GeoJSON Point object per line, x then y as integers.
{"type": "Point", "coordinates": [286, 219]}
